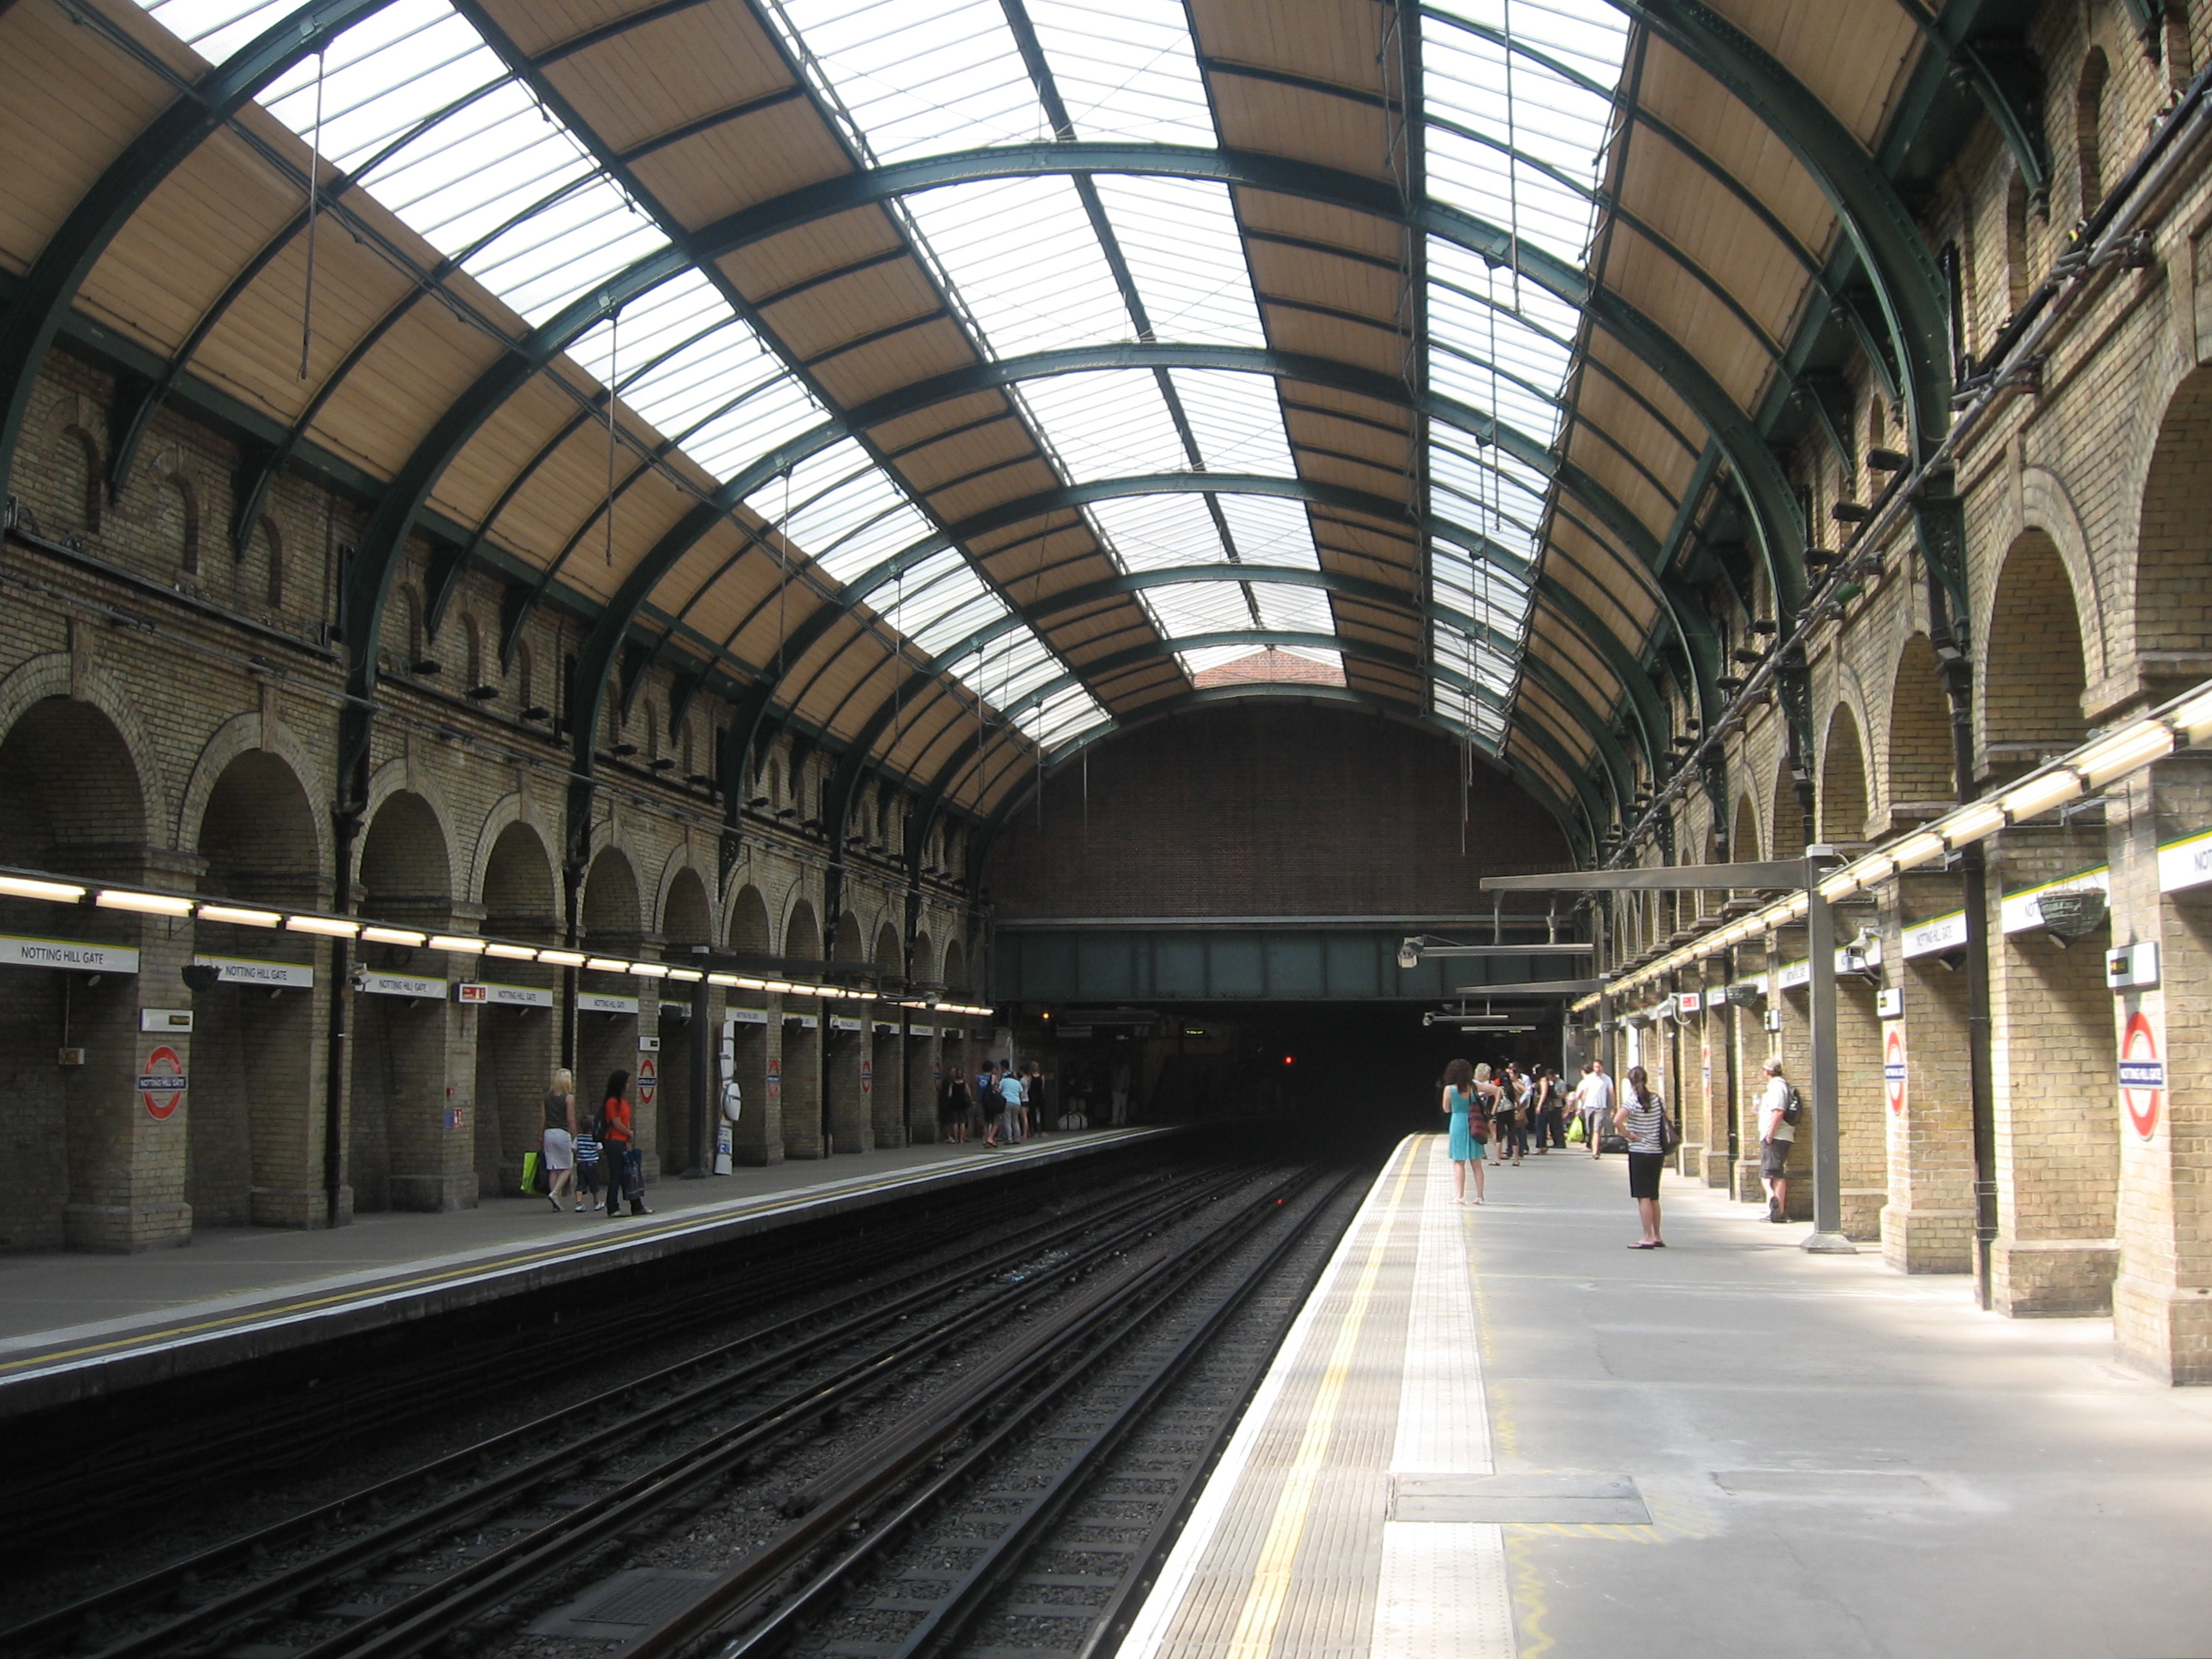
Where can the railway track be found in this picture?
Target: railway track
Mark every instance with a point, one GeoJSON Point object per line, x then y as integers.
{"type": "Point", "coordinates": [445, 1557]}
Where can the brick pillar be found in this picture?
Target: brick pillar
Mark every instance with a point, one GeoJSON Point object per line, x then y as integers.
{"type": "Point", "coordinates": [2162, 1298]}
{"type": "Point", "coordinates": [757, 1138]}
{"type": "Point", "coordinates": [1929, 1225]}
{"type": "Point", "coordinates": [1865, 1174]}
{"type": "Point", "coordinates": [921, 1075]}
{"type": "Point", "coordinates": [850, 1130]}
{"type": "Point", "coordinates": [802, 1081]}
{"type": "Point", "coordinates": [887, 1102]}
{"type": "Point", "coordinates": [124, 1186]}
{"type": "Point", "coordinates": [1793, 1042]}
{"type": "Point", "coordinates": [1753, 1043]}
{"type": "Point", "coordinates": [2058, 1130]}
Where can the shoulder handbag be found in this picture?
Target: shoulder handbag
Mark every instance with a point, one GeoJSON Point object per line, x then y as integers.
{"type": "Point", "coordinates": [1670, 1136]}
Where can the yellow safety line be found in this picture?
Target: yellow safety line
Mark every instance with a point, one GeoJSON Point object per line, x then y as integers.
{"type": "Point", "coordinates": [264, 1313]}
{"type": "Point", "coordinates": [1262, 1610]}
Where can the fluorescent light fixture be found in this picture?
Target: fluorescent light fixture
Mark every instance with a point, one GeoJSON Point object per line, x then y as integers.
{"type": "Point", "coordinates": [237, 916]}
{"type": "Point", "coordinates": [1971, 823]}
{"type": "Point", "coordinates": [742, 982]}
{"type": "Point", "coordinates": [607, 964]}
{"type": "Point", "coordinates": [388, 935]}
{"type": "Point", "coordinates": [562, 958]}
{"type": "Point", "coordinates": [729, 980]}
{"type": "Point", "coordinates": [460, 945]}
{"type": "Point", "coordinates": [1840, 885]}
{"type": "Point", "coordinates": [152, 904]}
{"type": "Point", "coordinates": [649, 969]}
{"type": "Point", "coordinates": [510, 952]}
{"type": "Point", "coordinates": [1874, 867]}
{"type": "Point", "coordinates": [2039, 794]}
{"type": "Point", "coordinates": [57, 892]}
{"type": "Point", "coordinates": [2195, 716]}
{"type": "Point", "coordinates": [328, 926]}
{"type": "Point", "coordinates": [781, 987]}
{"type": "Point", "coordinates": [2124, 751]}
{"type": "Point", "coordinates": [689, 975]}
{"type": "Point", "coordinates": [1922, 847]}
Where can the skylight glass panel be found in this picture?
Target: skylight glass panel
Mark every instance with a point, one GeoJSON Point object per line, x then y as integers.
{"type": "Point", "coordinates": [1061, 717]}
{"type": "Point", "coordinates": [1159, 533]}
{"type": "Point", "coordinates": [1513, 136]}
{"type": "Point", "coordinates": [1010, 668]}
{"type": "Point", "coordinates": [1186, 609]}
{"type": "Point", "coordinates": [1270, 530]}
{"type": "Point", "coordinates": [1237, 420]}
{"type": "Point", "coordinates": [1026, 262]}
{"type": "Point", "coordinates": [1124, 69]}
{"type": "Point", "coordinates": [423, 114]}
{"type": "Point", "coordinates": [1180, 238]}
{"type": "Point", "coordinates": [916, 77]}
{"type": "Point", "coordinates": [941, 602]}
{"type": "Point", "coordinates": [1107, 424]}
{"type": "Point", "coordinates": [845, 514]}
{"type": "Point", "coordinates": [1302, 609]}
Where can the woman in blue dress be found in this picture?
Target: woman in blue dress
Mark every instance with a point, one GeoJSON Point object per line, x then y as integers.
{"type": "Point", "coordinates": [1470, 1127]}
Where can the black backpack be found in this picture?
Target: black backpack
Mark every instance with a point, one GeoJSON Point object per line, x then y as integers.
{"type": "Point", "coordinates": [1792, 1109]}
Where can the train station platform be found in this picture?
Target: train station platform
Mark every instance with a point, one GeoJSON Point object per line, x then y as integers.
{"type": "Point", "coordinates": [74, 1326]}
{"type": "Point", "coordinates": [1496, 1433]}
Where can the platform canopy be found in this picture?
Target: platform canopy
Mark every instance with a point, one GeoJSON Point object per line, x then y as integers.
{"type": "Point", "coordinates": [985, 371]}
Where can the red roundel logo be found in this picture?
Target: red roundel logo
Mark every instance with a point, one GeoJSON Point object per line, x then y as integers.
{"type": "Point", "coordinates": [1893, 1068]}
{"type": "Point", "coordinates": [2143, 1075]}
{"type": "Point", "coordinates": [649, 1080]}
{"type": "Point", "coordinates": [162, 1083]}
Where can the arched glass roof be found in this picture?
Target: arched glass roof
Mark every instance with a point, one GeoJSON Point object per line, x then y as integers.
{"type": "Point", "coordinates": [416, 109]}
{"type": "Point", "coordinates": [985, 372]}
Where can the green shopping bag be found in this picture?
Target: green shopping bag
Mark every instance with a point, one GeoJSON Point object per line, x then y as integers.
{"type": "Point", "coordinates": [529, 1173]}
{"type": "Point", "coordinates": [1575, 1133]}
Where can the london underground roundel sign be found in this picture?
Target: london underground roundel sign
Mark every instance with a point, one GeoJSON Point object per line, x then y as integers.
{"type": "Point", "coordinates": [2143, 1075]}
{"type": "Point", "coordinates": [1892, 1067]}
{"type": "Point", "coordinates": [162, 1083]}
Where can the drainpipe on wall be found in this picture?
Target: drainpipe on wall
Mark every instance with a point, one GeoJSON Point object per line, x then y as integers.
{"type": "Point", "coordinates": [347, 823]}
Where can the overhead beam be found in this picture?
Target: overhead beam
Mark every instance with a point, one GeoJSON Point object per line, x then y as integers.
{"type": "Point", "coordinates": [1667, 878]}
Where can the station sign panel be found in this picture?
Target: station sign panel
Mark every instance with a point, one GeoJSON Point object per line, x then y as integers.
{"type": "Point", "coordinates": [745, 1017]}
{"type": "Point", "coordinates": [839, 1023]}
{"type": "Point", "coordinates": [489, 995]}
{"type": "Point", "coordinates": [2143, 1075]}
{"type": "Point", "coordinates": [1937, 935]}
{"type": "Point", "coordinates": [401, 985]}
{"type": "Point", "coordinates": [16, 952]}
{"type": "Point", "coordinates": [804, 1022]}
{"type": "Point", "coordinates": [867, 1075]}
{"type": "Point", "coordinates": [2184, 864]}
{"type": "Point", "coordinates": [1688, 1002]}
{"type": "Point", "coordinates": [245, 971]}
{"type": "Point", "coordinates": [1791, 974]}
{"type": "Point", "coordinates": [602, 1002]}
{"type": "Point", "coordinates": [162, 1082]}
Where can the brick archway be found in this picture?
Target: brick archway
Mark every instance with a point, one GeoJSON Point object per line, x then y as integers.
{"type": "Point", "coordinates": [2034, 680]}
{"type": "Point", "coordinates": [2173, 608]}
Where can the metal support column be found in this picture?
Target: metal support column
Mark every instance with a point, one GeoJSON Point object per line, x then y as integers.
{"type": "Point", "coordinates": [704, 1101]}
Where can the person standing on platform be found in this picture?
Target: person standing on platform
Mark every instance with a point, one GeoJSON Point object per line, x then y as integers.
{"type": "Point", "coordinates": [1463, 1108]}
{"type": "Point", "coordinates": [618, 1152]}
{"type": "Point", "coordinates": [1550, 1132]}
{"type": "Point", "coordinates": [1032, 1100]}
{"type": "Point", "coordinates": [1642, 1119]}
{"type": "Point", "coordinates": [559, 1139]}
{"type": "Point", "coordinates": [1776, 1135]}
{"type": "Point", "coordinates": [1012, 1096]}
{"type": "Point", "coordinates": [1596, 1093]}
{"type": "Point", "coordinates": [1120, 1118]}
{"type": "Point", "coordinates": [953, 1105]}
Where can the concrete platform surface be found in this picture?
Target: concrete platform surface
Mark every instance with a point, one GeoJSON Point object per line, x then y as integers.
{"type": "Point", "coordinates": [1497, 1433]}
{"type": "Point", "coordinates": [66, 1317]}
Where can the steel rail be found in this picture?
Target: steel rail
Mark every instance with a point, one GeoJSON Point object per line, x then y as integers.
{"type": "Point", "coordinates": [850, 1318]}
{"type": "Point", "coordinates": [1115, 1306]}
{"type": "Point", "coordinates": [433, 1613]}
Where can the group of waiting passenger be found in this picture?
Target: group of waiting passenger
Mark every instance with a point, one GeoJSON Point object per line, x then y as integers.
{"type": "Point", "coordinates": [999, 1106]}
{"type": "Point", "coordinates": [1482, 1107]}
{"type": "Point", "coordinates": [596, 1160]}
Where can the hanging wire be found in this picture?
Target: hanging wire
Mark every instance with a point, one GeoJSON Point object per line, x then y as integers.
{"type": "Point", "coordinates": [314, 213]}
